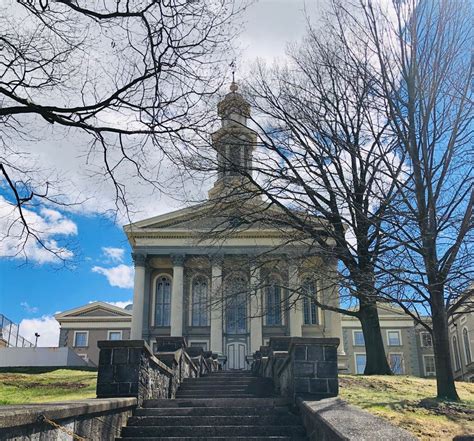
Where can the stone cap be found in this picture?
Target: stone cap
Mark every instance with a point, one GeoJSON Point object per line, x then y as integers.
{"type": "Point", "coordinates": [111, 344]}
{"type": "Point", "coordinates": [19, 415]}
{"type": "Point", "coordinates": [168, 344]}
{"type": "Point", "coordinates": [315, 341]}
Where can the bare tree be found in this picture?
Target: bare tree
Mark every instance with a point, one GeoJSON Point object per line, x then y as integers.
{"type": "Point", "coordinates": [424, 72]}
{"type": "Point", "coordinates": [130, 77]}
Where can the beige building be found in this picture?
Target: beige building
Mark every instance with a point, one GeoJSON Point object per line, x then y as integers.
{"type": "Point", "coordinates": [227, 292]}
{"type": "Point", "coordinates": [82, 327]}
{"type": "Point", "coordinates": [461, 334]}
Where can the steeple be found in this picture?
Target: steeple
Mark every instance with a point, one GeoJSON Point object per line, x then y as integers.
{"type": "Point", "coordinates": [234, 143]}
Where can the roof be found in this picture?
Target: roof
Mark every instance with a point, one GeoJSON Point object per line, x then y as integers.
{"type": "Point", "coordinates": [94, 311]}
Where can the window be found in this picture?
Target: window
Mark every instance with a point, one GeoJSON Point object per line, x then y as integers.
{"type": "Point", "coordinates": [358, 338]}
{"type": "Point", "coordinates": [360, 361]}
{"type": "Point", "coordinates": [163, 301]}
{"type": "Point", "coordinates": [457, 360]}
{"type": "Point", "coordinates": [199, 301]}
{"type": "Point", "coordinates": [429, 364]}
{"type": "Point", "coordinates": [236, 308]}
{"type": "Point", "coordinates": [80, 339]}
{"type": "Point", "coordinates": [273, 302]}
{"type": "Point", "coordinates": [426, 340]}
{"type": "Point", "coordinates": [394, 338]}
{"type": "Point", "coordinates": [114, 335]}
{"type": "Point", "coordinates": [467, 345]}
{"type": "Point", "coordinates": [396, 363]}
{"type": "Point", "coordinates": [310, 310]}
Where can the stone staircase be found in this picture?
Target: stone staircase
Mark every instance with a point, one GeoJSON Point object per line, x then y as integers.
{"type": "Point", "coordinates": [223, 406]}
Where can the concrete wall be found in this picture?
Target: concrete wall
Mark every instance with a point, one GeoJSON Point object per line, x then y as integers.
{"type": "Point", "coordinates": [39, 357]}
{"type": "Point", "coordinates": [90, 419]}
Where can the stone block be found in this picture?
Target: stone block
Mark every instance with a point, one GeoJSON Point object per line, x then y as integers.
{"type": "Point", "coordinates": [120, 356]}
{"type": "Point", "coordinates": [318, 386]}
{"type": "Point", "coordinates": [169, 344]}
{"type": "Point", "coordinates": [330, 353]}
{"type": "Point", "coordinates": [126, 373]}
{"type": "Point", "coordinates": [300, 352]}
{"type": "Point", "coordinates": [303, 369]}
{"type": "Point", "coordinates": [105, 356]}
{"type": "Point", "coordinates": [134, 355]}
{"type": "Point", "coordinates": [333, 387]}
{"type": "Point", "coordinates": [326, 369]}
{"type": "Point", "coordinates": [124, 389]}
{"type": "Point", "coordinates": [301, 385]}
{"type": "Point", "coordinates": [315, 353]}
{"type": "Point", "coordinates": [106, 374]}
{"type": "Point", "coordinates": [107, 390]}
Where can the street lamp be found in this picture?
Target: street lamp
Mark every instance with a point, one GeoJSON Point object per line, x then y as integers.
{"type": "Point", "coordinates": [36, 339]}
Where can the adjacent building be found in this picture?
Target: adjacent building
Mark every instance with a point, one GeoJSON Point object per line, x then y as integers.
{"type": "Point", "coordinates": [81, 328]}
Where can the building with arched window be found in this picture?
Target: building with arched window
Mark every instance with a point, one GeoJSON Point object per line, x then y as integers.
{"type": "Point", "coordinates": [227, 292]}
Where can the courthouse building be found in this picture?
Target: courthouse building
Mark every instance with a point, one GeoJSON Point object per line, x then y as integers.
{"type": "Point", "coordinates": [227, 292]}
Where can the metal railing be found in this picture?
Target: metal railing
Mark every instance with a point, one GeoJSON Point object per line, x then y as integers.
{"type": "Point", "coordinates": [10, 333]}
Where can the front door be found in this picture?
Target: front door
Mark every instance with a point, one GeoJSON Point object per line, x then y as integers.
{"type": "Point", "coordinates": [236, 355]}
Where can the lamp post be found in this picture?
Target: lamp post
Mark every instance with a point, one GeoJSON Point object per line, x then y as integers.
{"type": "Point", "coordinates": [36, 339]}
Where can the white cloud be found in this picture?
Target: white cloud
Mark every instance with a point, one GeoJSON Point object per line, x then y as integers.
{"type": "Point", "coordinates": [120, 275]}
{"type": "Point", "coordinates": [28, 308]}
{"type": "Point", "coordinates": [113, 254]}
{"type": "Point", "coordinates": [46, 326]}
{"type": "Point", "coordinates": [50, 225]}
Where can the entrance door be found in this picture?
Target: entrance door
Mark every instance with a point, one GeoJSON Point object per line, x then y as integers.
{"type": "Point", "coordinates": [236, 355]}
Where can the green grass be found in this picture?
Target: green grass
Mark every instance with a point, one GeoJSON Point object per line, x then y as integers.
{"type": "Point", "coordinates": [409, 402]}
{"type": "Point", "coordinates": [25, 386]}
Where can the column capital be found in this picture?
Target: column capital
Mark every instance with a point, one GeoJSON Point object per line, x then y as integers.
{"type": "Point", "coordinates": [178, 259]}
{"type": "Point", "coordinates": [139, 259]}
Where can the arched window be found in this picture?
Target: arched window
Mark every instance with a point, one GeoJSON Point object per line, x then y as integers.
{"type": "Point", "coordinates": [236, 305]}
{"type": "Point", "coordinates": [273, 302]}
{"type": "Point", "coordinates": [163, 301]}
{"type": "Point", "coordinates": [199, 301]}
{"type": "Point", "coordinates": [457, 360]}
{"type": "Point", "coordinates": [467, 345]}
{"type": "Point", "coordinates": [310, 310]}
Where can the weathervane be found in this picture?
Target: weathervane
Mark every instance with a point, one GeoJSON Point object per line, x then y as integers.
{"type": "Point", "coordinates": [233, 86]}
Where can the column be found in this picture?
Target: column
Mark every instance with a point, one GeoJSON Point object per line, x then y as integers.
{"type": "Point", "coordinates": [216, 306]}
{"type": "Point", "coordinates": [139, 261]}
{"type": "Point", "coordinates": [256, 310]}
{"type": "Point", "coordinates": [295, 312]}
{"type": "Point", "coordinates": [332, 292]}
{"type": "Point", "coordinates": [177, 296]}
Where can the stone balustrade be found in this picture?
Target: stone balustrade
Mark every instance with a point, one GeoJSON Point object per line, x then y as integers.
{"type": "Point", "coordinates": [128, 368]}
{"type": "Point", "coordinates": [300, 367]}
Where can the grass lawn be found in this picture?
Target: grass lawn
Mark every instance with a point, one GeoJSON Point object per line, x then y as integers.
{"type": "Point", "coordinates": [409, 402]}
{"type": "Point", "coordinates": [27, 386]}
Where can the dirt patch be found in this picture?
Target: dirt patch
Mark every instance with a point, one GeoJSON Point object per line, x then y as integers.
{"type": "Point", "coordinates": [52, 385]}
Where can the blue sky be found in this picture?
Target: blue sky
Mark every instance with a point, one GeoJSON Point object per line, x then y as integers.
{"type": "Point", "coordinates": [36, 291]}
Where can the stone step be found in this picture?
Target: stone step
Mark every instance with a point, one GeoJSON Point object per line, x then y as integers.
{"type": "Point", "coordinates": [211, 411]}
{"type": "Point", "coordinates": [215, 438]}
{"type": "Point", "coordinates": [211, 431]}
{"type": "Point", "coordinates": [203, 388]}
{"type": "Point", "coordinates": [224, 394]}
{"type": "Point", "coordinates": [206, 380]}
{"type": "Point", "coordinates": [198, 421]}
{"type": "Point", "coordinates": [216, 402]}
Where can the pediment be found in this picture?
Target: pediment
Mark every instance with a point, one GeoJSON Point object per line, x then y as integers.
{"type": "Point", "coordinates": [95, 309]}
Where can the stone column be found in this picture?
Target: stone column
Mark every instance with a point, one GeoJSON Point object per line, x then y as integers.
{"type": "Point", "coordinates": [332, 293]}
{"type": "Point", "coordinates": [216, 306]}
{"type": "Point", "coordinates": [256, 310]}
{"type": "Point", "coordinates": [295, 312]}
{"type": "Point", "coordinates": [177, 296]}
{"type": "Point", "coordinates": [139, 261]}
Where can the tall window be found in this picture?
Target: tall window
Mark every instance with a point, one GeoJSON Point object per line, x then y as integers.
{"type": "Point", "coordinates": [199, 301]}
{"type": "Point", "coordinates": [467, 345]}
{"type": "Point", "coordinates": [394, 338]}
{"type": "Point", "coordinates": [457, 360]}
{"type": "Point", "coordinates": [163, 301]}
{"type": "Point", "coordinates": [273, 301]}
{"type": "Point", "coordinates": [310, 310]}
{"type": "Point", "coordinates": [236, 307]}
{"type": "Point", "coordinates": [80, 339]}
{"type": "Point", "coordinates": [360, 361]}
{"type": "Point", "coordinates": [359, 338]}
{"type": "Point", "coordinates": [430, 366]}
{"type": "Point", "coordinates": [396, 363]}
{"type": "Point", "coordinates": [426, 340]}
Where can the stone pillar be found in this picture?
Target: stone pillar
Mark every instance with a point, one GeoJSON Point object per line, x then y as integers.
{"type": "Point", "coordinates": [332, 297]}
{"type": "Point", "coordinates": [295, 312]}
{"type": "Point", "coordinates": [256, 310]}
{"type": "Point", "coordinates": [139, 261]}
{"type": "Point", "coordinates": [216, 306]}
{"type": "Point", "coordinates": [177, 296]}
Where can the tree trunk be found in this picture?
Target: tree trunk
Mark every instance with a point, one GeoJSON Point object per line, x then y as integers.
{"type": "Point", "coordinates": [377, 363]}
{"type": "Point", "coordinates": [446, 389]}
